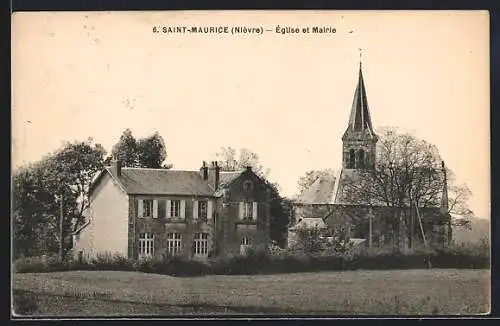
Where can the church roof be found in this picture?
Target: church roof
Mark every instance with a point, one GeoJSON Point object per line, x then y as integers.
{"type": "Point", "coordinates": [352, 176]}
{"type": "Point", "coordinates": [360, 123]}
{"type": "Point", "coordinates": [320, 192]}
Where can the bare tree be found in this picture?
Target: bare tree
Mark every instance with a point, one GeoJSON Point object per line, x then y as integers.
{"type": "Point", "coordinates": [229, 160]}
{"type": "Point", "coordinates": [407, 173]}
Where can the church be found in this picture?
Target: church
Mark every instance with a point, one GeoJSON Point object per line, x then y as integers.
{"type": "Point", "coordinates": [328, 205]}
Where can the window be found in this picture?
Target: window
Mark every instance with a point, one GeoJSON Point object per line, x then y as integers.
{"type": "Point", "coordinates": [175, 208]}
{"type": "Point", "coordinates": [146, 245]}
{"type": "Point", "coordinates": [361, 158]}
{"type": "Point", "coordinates": [174, 243]}
{"type": "Point", "coordinates": [203, 209]}
{"type": "Point", "coordinates": [147, 208]}
{"type": "Point", "coordinates": [352, 159]}
{"type": "Point", "coordinates": [162, 208]}
{"type": "Point", "coordinates": [247, 185]}
{"type": "Point", "coordinates": [245, 244]}
{"type": "Point", "coordinates": [200, 244]}
{"type": "Point", "coordinates": [247, 210]}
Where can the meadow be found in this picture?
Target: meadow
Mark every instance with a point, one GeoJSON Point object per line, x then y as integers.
{"type": "Point", "coordinates": [338, 293]}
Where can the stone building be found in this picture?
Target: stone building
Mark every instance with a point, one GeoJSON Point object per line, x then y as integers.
{"type": "Point", "coordinates": [139, 212]}
{"type": "Point", "coordinates": [327, 199]}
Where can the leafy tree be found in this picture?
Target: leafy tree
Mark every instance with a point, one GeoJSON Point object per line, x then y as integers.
{"type": "Point", "coordinates": [148, 152]}
{"type": "Point", "coordinates": [228, 160]}
{"type": "Point", "coordinates": [126, 150]}
{"type": "Point", "coordinates": [38, 188]}
{"type": "Point", "coordinates": [75, 165]}
{"type": "Point", "coordinates": [152, 152]}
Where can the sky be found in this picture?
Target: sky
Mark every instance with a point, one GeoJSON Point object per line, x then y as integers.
{"type": "Point", "coordinates": [286, 97]}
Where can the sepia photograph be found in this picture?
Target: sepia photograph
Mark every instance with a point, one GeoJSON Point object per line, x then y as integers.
{"type": "Point", "coordinates": [201, 164]}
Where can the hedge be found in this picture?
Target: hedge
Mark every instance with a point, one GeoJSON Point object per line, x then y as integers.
{"type": "Point", "coordinates": [268, 263]}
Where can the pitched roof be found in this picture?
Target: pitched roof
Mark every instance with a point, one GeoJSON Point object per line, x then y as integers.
{"type": "Point", "coordinates": [320, 192]}
{"type": "Point", "coordinates": [226, 177]}
{"type": "Point", "coordinates": [161, 182]}
{"type": "Point", "coordinates": [341, 195]}
{"type": "Point", "coordinates": [360, 120]}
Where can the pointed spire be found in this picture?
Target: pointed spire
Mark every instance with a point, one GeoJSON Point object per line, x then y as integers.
{"type": "Point", "coordinates": [444, 198]}
{"type": "Point", "coordinates": [359, 119]}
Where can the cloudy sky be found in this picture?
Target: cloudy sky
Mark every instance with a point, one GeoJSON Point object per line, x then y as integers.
{"type": "Point", "coordinates": [284, 96]}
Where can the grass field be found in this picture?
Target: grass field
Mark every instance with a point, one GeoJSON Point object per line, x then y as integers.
{"type": "Point", "coordinates": [104, 293]}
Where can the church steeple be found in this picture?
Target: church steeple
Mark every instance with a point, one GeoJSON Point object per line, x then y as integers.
{"type": "Point", "coordinates": [444, 195]}
{"type": "Point", "coordinates": [360, 120]}
{"type": "Point", "coordinates": [444, 209]}
{"type": "Point", "coordinates": [359, 139]}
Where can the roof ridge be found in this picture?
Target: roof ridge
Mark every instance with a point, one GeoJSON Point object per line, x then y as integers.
{"type": "Point", "coordinates": [155, 169]}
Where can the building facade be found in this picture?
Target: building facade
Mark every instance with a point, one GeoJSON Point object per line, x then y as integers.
{"type": "Point", "coordinates": [138, 213]}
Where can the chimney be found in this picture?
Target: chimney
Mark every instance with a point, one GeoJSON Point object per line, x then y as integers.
{"type": "Point", "coordinates": [214, 174]}
{"type": "Point", "coordinates": [217, 175]}
{"type": "Point", "coordinates": [248, 168]}
{"type": "Point", "coordinates": [204, 171]}
{"type": "Point", "coordinates": [117, 167]}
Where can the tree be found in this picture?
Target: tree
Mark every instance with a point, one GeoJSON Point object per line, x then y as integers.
{"type": "Point", "coordinates": [33, 205]}
{"type": "Point", "coordinates": [75, 165]}
{"type": "Point", "coordinates": [309, 240]}
{"type": "Point", "coordinates": [152, 152]}
{"type": "Point", "coordinates": [126, 150]}
{"type": "Point", "coordinates": [37, 189]}
{"type": "Point", "coordinates": [459, 195]}
{"type": "Point", "coordinates": [407, 173]}
{"type": "Point", "coordinates": [228, 160]}
{"type": "Point", "coordinates": [280, 206]}
{"type": "Point", "coordinates": [148, 152]}
{"type": "Point", "coordinates": [311, 176]}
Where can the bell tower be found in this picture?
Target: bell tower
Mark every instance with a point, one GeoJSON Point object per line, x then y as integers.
{"type": "Point", "coordinates": [359, 140]}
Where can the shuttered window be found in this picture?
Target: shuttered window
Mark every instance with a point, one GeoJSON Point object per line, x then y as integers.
{"type": "Point", "coordinates": [203, 209]}
{"type": "Point", "coordinates": [147, 208]}
{"type": "Point", "coordinates": [175, 208]}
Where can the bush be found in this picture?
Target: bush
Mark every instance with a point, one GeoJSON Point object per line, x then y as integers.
{"type": "Point", "coordinates": [276, 261]}
{"type": "Point", "coordinates": [39, 264]}
{"type": "Point", "coordinates": [172, 265]}
{"type": "Point", "coordinates": [109, 262]}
